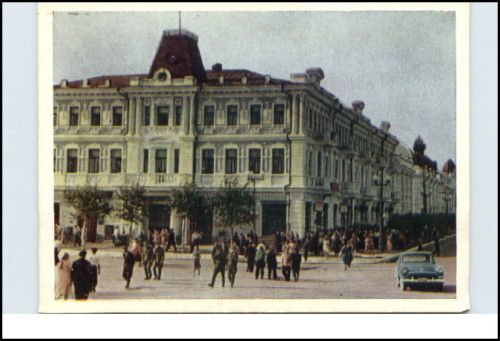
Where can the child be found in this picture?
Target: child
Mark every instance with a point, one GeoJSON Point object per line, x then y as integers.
{"type": "Point", "coordinates": [96, 267]}
{"type": "Point", "coordinates": [296, 260]}
{"type": "Point", "coordinates": [197, 260]}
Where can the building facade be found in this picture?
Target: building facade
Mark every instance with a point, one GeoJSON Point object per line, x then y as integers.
{"type": "Point", "coordinates": [312, 160]}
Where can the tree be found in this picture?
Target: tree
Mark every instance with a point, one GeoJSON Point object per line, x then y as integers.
{"type": "Point", "coordinates": [132, 199]}
{"type": "Point", "coordinates": [234, 204]}
{"type": "Point", "coordinates": [191, 203]}
{"type": "Point", "coordinates": [89, 203]}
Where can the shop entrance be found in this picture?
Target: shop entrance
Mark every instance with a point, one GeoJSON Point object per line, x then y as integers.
{"type": "Point", "coordinates": [273, 217]}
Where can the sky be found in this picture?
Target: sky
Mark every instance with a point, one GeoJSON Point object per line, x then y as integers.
{"type": "Point", "coordinates": [401, 64]}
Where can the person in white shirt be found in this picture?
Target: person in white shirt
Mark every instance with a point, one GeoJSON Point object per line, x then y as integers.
{"type": "Point", "coordinates": [96, 267]}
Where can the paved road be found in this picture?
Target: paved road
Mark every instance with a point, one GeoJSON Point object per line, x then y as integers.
{"type": "Point", "coordinates": [321, 279]}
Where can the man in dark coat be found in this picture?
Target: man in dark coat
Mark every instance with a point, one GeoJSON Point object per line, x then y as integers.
{"type": "Point", "coordinates": [171, 240]}
{"type": "Point", "coordinates": [81, 275]}
{"type": "Point", "coordinates": [272, 263]}
{"type": "Point", "coordinates": [159, 256]}
{"type": "Point", "coordinates": [307, 246]}
{"type": "Point", "coordinates": [219, 265]}
{"type": "Point", "coordinates": [251, 251]}
{"type": "Point", "coordinates": [232, 263]}
{"type": "Point", "coordinates": [148, 260]}
{"type": "Point", "coordinates": [296, 260]}
{"type": "Point", "coordinates": [128, 265]}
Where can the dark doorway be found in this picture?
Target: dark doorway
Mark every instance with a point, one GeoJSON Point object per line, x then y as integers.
{"type": "Point", "coordinates": [56, 213]}
{"type": "Point", "coordinates": [204, 226]}
{"type": "Point", "coordinates": [273, 217]}
{"type": "Point", "coordinates": [91, 229]}
{"type": "Point", "coordinates": [308, 217]}
{"type": "Point", "coordinates": [159, 216]}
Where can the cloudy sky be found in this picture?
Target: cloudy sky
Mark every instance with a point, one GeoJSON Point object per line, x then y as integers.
{"type": "Point", "coordinates": [401, 64]}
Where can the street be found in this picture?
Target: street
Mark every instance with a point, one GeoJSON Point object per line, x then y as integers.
{"type": "Point", "coordinates": [318, 279]}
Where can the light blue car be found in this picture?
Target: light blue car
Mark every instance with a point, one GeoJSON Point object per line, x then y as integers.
{"type": "Point", "coordinates": [418, 269]}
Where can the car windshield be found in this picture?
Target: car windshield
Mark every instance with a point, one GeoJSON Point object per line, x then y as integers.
{"type": "Point", "coordinates": [417, 259]}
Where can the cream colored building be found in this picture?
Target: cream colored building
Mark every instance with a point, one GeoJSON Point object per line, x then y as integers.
{"type": "Point", "coordinates": [312, 159]}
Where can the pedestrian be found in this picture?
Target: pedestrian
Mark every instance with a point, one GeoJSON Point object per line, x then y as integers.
{"type": "Point", "coordinates": [148, 260]}
{"type": "Point", "coordinates": [136, 250]}
{"type": "Point", "coordinates": [346, 255]}
{"type": "Point", "coordinates": [272, 263]}
{"type": "Point", "coordinates": [77, 236]}
{"type": "Point", "coordinates": [171, 240]}
{"type": "Point", "coordinates": [251, 251]}
{"type": "Point", "coordinates": [57, 249]}
{"type": "Point", "coordinates": [286, 262]}
{"type": "Point", "coordinates": [219, 265]}
{"type": "Point", "coordinates": [307, 245]}
{"type": "Point", "coordinates": [326, 246]}
{"type": "Point", "coordinates": [232, 263]}
{"type": "Point", "coordinates": [159, 256]}
{"type": "Point", "coordinates": [437, 248]}
{"type": "Point", "coordinates": [197, 260]}
{"type": "Point", "coordinates": [260, 262]}
{"type": "Point", "coordinates": [64, 277]}
{"type": "Point", "coordinates": [81, 275]}
{"type": "Point", "coordinates": [96, 267]}
{"type": "Point", "coordinates": [128, 265]}
{"type": "Point", "coordinates": [296, 260]}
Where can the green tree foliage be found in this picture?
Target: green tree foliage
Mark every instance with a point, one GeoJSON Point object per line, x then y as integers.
{"type": "Point", "coordinates": [234, 204]}
{"type": "Point", "coordinates": [191, 203]}
{"type": "Point", "coordinates": [132, 199]}
{"type": "Point", "coordinates": [89, 203]}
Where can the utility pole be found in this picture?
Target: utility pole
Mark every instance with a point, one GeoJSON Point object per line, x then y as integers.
{"type": "Point", "coordinates": [425, 194]}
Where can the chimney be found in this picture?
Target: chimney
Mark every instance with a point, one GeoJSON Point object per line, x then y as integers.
{"type": "Point", "coordinates": [217, 67]}
{"type": "Point", "coordinates": [221, 80]}
{"type": "Point", "coordinates": [268, 79]}
{"type": "Point", "coordinates": [244, 80]}
{"type": "Point", "coordinates": [358, 106]}
{"type": "Point", "coordinates": [64, 83]}
{"type": "Point", "coordinates": [85, 83]}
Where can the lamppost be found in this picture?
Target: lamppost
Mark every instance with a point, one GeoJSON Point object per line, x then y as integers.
{"type": "Point", "coordinates": [381, 183]}
{"type": "Point", "coordinates": [424, 193]}
{"type": "Point", "coordinates": [253, 178]}
{"type": "Point", "coordinates": [446, 193]}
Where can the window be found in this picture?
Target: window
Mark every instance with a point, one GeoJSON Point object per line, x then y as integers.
{"type": "Point", "coordinates": [146, 116]}
{"type": "Point", "coordinates": [54, 167]}
{"type": "Point", "coordinates": [278, 161]}
{"type": "Point", "coordinates": [207, 162]}
{"type": "Point", "coordinates": [72, 161]}
{"type": "Point", "coordinates": [95, 116]}
{"type": "Point", "coordinates": [94, 155]}
{"type": "Point", "coordinates": [231, 161]}
{"type": "Point", "coordinates": [55, 116]}
{"type": "Point", "coordinates": [255, 114]}
{"type": "Point", "coordinates": [74, 116]}
{"type": "Point", "coordinates": [336, 174]}
{"type": "Point", "coordinates": [309, 162]}
{"type": "Point", "coordinates": [162, 116]}
{"type": "Point", "coordinates": [117, 116]}
{"type": "Point", "coordinates": [343, 170]}
{"type": "Point", "coordinates": [178, 115]}
{"type": "Point", "coordinates": [254, 161]}
{"type": "Point", "coordinates": [116, 160]}
{"type": "Point", "coordinates": [208, 115]}
{"type": "Point", "coordinates": [279, 114]}
{"type": "Point", "coordinates": [318, 169]}
{"type": "Point", "coordinates": [145, 160]}
{"type": "Point", "coordinates": [161, 161]}
{"type": "Point", "coordinates": [176, 161]}
{"type": "Point", "coordinates": [232, 115]}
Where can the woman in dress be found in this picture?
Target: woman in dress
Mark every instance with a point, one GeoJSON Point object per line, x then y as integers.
{"type": "Point", "coordinates": [64, 274]}
{"type": "Point", "coordinates": [346, 255]}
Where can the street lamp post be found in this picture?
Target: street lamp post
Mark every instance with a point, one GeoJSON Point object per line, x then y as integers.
{"type": "Point", "coordinates": [381, 183]}
{"type": "Point", "coordinates": [253, 179]}
{"type": "Point", "coordinates": [447, 191]}
{"type": "Point", "coordinates": [424, 193]}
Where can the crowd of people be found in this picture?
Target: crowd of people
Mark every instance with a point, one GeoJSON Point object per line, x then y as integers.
{"type": "Point", "coordinates": [259, 255]}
